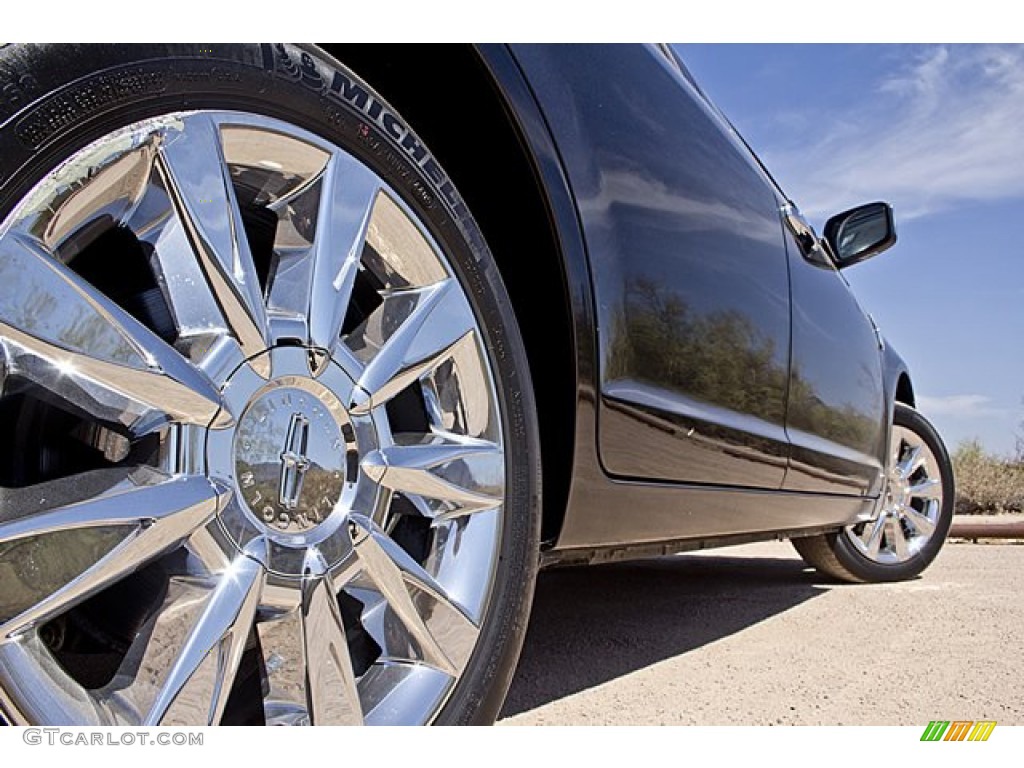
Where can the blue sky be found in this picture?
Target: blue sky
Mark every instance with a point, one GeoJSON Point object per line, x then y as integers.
{"type": "Point", "coordinates": [938, 131]}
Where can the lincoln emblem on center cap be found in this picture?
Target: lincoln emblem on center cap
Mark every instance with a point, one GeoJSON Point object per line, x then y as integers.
{"type": "Point", "coordinates": [294, 462]}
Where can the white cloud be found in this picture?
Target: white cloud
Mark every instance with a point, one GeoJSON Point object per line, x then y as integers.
{"type": "Point", "coordinates": [959, 406]}
{"type": "Point", "coordinates": [947, 129]}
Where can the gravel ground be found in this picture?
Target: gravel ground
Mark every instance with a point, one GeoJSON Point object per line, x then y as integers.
{"type": "Point", "coordinates": [749, 636]}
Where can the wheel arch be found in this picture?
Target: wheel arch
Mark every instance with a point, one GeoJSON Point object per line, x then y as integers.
{"type": "Point", "coordinates": [905, 390]}
{"type": "Point", "coordinates": [898, 384]}
{"type": "Point", "coordinates": [527, 247]}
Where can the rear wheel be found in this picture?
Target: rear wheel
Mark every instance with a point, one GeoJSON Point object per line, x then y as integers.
{"type": "Point", "coordinates": [260, 384]}
{"type": "Point", "coordinates": [911, 519]}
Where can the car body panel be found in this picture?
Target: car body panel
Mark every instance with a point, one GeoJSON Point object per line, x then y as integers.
{"type": "Point", "coordinates": [836, 419]}
{"type": "Point", "coordinates": [657, 458]}
{"type": "Point", "coordinates": [689, 269]}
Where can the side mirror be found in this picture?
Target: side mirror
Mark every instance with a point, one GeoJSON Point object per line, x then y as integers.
{"type": "Point", "coordinates": [860, 233]}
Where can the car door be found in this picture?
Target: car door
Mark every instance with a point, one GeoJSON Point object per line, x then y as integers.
{"type": "Point", "coordinates": [689, 268]}
{"type": "Point", "coordinates": [836, 419]}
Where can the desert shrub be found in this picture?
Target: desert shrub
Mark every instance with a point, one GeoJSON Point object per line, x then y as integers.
{"type": "Point", "coordinates": [985, 483]}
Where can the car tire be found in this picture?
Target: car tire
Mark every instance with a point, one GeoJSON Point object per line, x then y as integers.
{"type": "Point", "coordinates": [415, 421]}
{"type": "Point", "coordinates": [912, 517]}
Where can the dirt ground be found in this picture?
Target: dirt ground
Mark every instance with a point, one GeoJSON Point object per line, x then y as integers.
{"type": "Point", "coordinates": [749, 636]}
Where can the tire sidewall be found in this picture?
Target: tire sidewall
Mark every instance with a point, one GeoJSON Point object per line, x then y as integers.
{"type": "Point", "coordinates": [55, 100]}
{"type": "Point", "coordinates": [868, 570]}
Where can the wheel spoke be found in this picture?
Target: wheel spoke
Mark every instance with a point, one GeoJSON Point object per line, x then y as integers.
{"type": "Point", "coordinates": [873, 540]}
{"type": "Point", "coordinates": [331, 694]}
{"type": "Point", "coordinates": [347, 195]}
{"type": "Point", "coordinates": [390, 688]}
{"type": "Point", "coordinates": [428, 324]}
{"type": "Point", "coordinates": [428, 620]}
{"type": "Point", "coordinates": [198, 319]}
{"type": "Point", "coordinates": [111, 189]}
{"type": "Point", "coordinates": [192, 166]}
{"type": "Point", "coordinates": [912, 462]}
{"type": "Point", "coordinates": [35, 689]}
{"type": "Point", "coordinates": [199, 682]}
{"type": "Point", "coordinates": [895, 538]}
{"type": "Point", "coordinates": [925, 525]}
{"type": "Point", "coordinates": [155, 515]}
{"type": "Point", "coordinates": [70, 339]}
{"type": "Point", "coordinates": [929, 488]}
{"type": "Point", "coordinates": [414, 469]}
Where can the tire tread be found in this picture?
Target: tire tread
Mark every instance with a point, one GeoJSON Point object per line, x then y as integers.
{"type": "Point", "coordinates": [819, 553]}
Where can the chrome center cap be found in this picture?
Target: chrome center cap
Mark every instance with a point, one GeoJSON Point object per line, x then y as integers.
{"type": "Point", "coordinates": [290, 454]}
{"type": "Point", "coordinates": [292, 461]}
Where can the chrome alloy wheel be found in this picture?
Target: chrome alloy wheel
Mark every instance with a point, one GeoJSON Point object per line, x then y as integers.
{"type": "Point", "coordinates": [909, 508]}
{"type": "Point", "coordinates": [257, 441]}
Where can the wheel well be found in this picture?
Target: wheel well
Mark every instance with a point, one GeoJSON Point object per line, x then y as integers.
{"type": "Point", "coordinates": [494, 187]}
{"type": "Point", "coordinates": [905, 391]}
